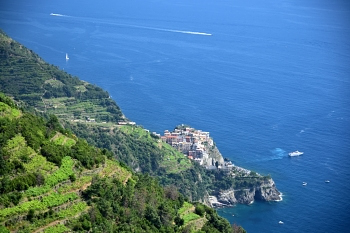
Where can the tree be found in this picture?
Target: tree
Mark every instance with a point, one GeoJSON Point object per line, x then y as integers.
{"type": "Point", "coordinates": [171, 192]}
{"type": "Point", "coordinates": [30, 215]}
{"type": "Point", "coordinates": [152, 216]}
{"type": "Point", "coordinates": [72, 177]}
{"type": "Point", "coordinates": [53, 123]}
{"type": "Point", "coordinates": [179, 221]}
{"type": "Point", "coordinates": [200, 210]}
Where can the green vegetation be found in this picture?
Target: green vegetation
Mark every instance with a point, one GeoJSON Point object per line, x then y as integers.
{"type": "Point", "coordinates": [47, 89]}
{"type": "Point", "coordinates": [62, 173]}
{"type": "Point", "coordinates": [38, 162]}
{"type": "Point", "coordinates": [9, 112]}
{"type": "Point", "coordinates": [59, 228]}
{"type": "Point", "coordinates": [39, 158]}
{"type": "Point", "coordinates": [88, 111]}
{"type": "Point", "coordinates": [60, 139]}
{"type": "Point", "coordinates": [52, 200]}
{"type": "Point", "coordinates": [81, 188]}
{"type": "Point", "coordinates": [190, 217]}
{"type": "Point", "coordinates": [185, 208]}
{"type": "Point", "coordinates": [76, 185]}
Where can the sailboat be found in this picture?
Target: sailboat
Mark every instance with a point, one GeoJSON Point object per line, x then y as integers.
{"type": "Point", "coordinates": [67, 58]}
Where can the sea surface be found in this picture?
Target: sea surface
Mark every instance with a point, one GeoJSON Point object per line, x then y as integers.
{"type": "Point", "coordinates": [263, 77]}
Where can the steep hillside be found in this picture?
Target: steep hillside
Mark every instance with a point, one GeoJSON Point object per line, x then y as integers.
{"type": "Point", "coordinates": [45, 90]}
{"type": "Point", "coordinates": [87, 111]}
{"type": "Point", "coordinates": [52, 181]}
{"type": "Point", "coordinates": [25, 76]}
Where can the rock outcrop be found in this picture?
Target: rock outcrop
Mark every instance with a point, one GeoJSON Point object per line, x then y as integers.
{"type": "Point", "coordinates": [213, 154]}
{"type": "Point", "coordinates": [230, 184]}
{"type": "Point", "coordinates": [266, 191]}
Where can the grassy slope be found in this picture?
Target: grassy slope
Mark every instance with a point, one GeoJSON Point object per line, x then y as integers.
{"type": "Point", "coordinates": [171, 160]}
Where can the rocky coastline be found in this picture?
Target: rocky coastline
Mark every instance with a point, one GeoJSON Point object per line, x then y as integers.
{"type": "Point", "coordinates": [200, 147]}
{"type": "Point", "coordinates": [266, 191]}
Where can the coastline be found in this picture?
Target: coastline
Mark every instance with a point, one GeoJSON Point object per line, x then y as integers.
{"type": "Point", "coordinates": [241, 185]}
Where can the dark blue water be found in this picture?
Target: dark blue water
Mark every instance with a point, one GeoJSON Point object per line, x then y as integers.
{"type": "Point", "coordinates": [272, 77]}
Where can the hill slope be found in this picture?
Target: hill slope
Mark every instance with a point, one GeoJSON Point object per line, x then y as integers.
{"type": "Point", "coordinates": [50, 90]}
{"type": "Point", "coordinates": [88, 112]}
{"type": "Point", "coordinates": [52, 181]}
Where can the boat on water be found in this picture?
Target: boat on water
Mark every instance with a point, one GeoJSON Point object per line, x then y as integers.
{"type": "Point", "coordinates": [280, 222]}
{"type": "Point", "coordinates": [295, 153]}
{"type": "Point", "coordinates": [326, 181]}
{"type": "Point", "coordinates": [67, 58]}
{"type": "Point", "coordinates": [304, 183]}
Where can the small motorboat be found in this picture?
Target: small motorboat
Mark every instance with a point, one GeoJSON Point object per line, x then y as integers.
{"type": "Point", "coordinates": [280, 222]}
{"type": "Point", "coordinates": [304, 183]}
{"type": "Point", "coordinates": [295, 153]}
{"type": "Point", "coordinates": [326, 181]}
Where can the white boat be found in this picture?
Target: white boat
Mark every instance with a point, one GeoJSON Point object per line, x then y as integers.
{"type": "Point", "coordinates": [326, 181]}
{"type": "Point", "coordinates": [295, 153]}
{"type": "Point", "coordinates": [304, 183]}
{"type": "Point", "coordinates": [67, 58]}
{"type": "Point", "coordinates": [280, 222]}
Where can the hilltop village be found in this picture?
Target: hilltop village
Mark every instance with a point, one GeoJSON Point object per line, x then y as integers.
{"type": "Point", "coordinates": [197, 145]}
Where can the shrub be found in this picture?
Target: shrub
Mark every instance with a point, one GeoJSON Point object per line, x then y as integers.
{"type": "Point", "coordinates": [199, 210]}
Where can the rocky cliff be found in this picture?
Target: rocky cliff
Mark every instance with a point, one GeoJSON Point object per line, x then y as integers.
{"type": "Point", "coordinates": [260, 188]}
{"type": "Point", "coordinates": [265, 191]}
{"type": "Point", "coordinates": [212, 156]}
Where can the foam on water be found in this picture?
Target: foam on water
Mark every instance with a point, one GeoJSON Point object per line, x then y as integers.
{"type": "Point", "coordinates": [59, 15]}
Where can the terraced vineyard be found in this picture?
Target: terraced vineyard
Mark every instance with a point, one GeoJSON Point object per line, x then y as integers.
{"type": "Point", "coordinates": [59, 198]}
{"type": "Point", "coordinates": [57, 195]}
{"type": "Point", "coordinates": [49, 90]}
{"type": "Point", "coordinates": [191, 219]}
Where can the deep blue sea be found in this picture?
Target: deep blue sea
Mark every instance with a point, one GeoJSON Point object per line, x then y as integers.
{"type": "Point", "coordinates": [263, 77]}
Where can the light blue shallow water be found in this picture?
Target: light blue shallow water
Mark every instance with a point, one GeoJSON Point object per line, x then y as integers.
{"type": "Point", "coordinates": [273, 77]}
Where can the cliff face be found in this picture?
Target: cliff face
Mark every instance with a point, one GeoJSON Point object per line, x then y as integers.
{"type": "Point", "coordinates": [263, 190]}
{"type": "Point", "coordinates": [266, 191]}
{"type": "Point", "coordinates": [212, 156]}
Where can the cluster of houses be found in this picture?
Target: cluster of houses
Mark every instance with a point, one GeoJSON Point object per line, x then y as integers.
{"type": "Point", "coordinates": [189, 141]}
{"type": "Point", "coordinates": [194, 144]}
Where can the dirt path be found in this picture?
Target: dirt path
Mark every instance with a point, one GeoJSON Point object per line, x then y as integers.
{"type": "Point", "coordinates": [126, 179]}
{"type": "Point", "coordinates": [49, 225]}
{"type": "Point", "coordinates": [198, 223]}
{"type": "Point", "coordinates": [64, 141]}
{"type": "Point", "coordinates": [56, 136]}
{"type": "Point", "coordinates": [59, 221]}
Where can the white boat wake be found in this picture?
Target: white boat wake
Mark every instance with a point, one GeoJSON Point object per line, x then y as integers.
{"type": "Point", "coordinates": [142, 27]}
{"type": "Point", "coordinates": [185, 32]}
{"type": "Point", "coordinates": [53, 14]}
{"type": "Point", "coordinates": [167, 30]}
